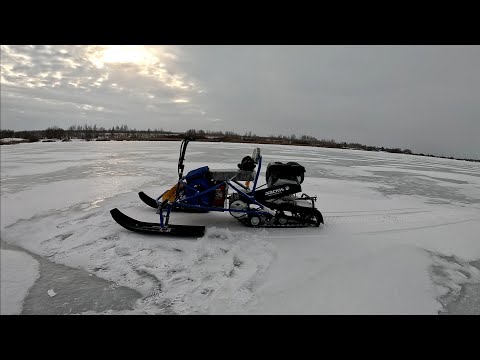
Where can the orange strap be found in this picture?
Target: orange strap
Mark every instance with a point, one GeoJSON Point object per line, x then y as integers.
{"type": "Point", "coordinates": [170, 194]}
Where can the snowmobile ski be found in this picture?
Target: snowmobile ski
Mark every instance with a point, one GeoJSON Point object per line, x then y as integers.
{"type": "Point", "coordinates": [153, 203]}
{"type": "Point", "coordinates": [148, 200]}
{"type": "Point", "coordinates": [155, 228]}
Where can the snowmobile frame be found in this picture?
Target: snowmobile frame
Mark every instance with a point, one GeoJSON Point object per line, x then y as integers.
{"type": "Point", "coordinates": [231, 182]}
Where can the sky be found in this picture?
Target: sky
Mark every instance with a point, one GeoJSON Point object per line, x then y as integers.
{"type": "Point", "coordinates": [423, 98]}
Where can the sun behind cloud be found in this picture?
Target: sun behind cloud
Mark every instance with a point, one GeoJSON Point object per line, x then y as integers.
{"type": "Point", "coordinates": [123, 54]}
{"type": "Point", "coordinates": [155, 62]}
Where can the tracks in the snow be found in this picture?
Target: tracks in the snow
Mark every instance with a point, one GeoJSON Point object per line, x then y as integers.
{"type": "Point", "coordinates": [419, 227]}
{"type": "Point", "coordinates": [375, 213]}
{"type": "Point", "coordinates": [369, 211]}
{"type": "Point", "coordinates": [380, 218]}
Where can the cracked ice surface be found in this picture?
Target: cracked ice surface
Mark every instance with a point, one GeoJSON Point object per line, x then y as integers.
{"type": "Point", "coordinates": [400, 234]}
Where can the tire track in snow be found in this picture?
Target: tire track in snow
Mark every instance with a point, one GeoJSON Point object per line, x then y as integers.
{"type": "Point", "coordinates": [371, 219]}
{"type": "Point", "coordinates": [380, 214]}
{"type": "Point", "coordinates": [378, 210]}
{"type": "Point", "coordinates": [418, 227]}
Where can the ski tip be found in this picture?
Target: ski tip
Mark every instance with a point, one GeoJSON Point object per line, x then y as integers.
{"type": "Point", "coordinates": [148, 200]}
{"type": "Point", "coordinates": [116, 214]}
{"type": "Point", "coordinates": [142, 195]}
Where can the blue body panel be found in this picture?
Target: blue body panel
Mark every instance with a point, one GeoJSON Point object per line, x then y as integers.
{"type": "Point", "coordinates": [197, 180]}
{"type": "Point", "coordinates": [197, 173]}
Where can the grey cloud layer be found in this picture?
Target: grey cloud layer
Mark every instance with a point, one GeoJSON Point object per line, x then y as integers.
{"type": "Point", "coordinates": [421, 97]}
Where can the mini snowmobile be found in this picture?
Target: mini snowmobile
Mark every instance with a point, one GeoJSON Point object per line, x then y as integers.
{"type": "Point", "coordinates": [204, 190]}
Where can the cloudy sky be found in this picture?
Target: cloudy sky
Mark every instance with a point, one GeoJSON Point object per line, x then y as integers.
{"type": "Point", "coordinates": [426, 98]}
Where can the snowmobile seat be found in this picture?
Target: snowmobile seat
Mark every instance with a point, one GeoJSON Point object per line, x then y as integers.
{"type": "Point", "coordinates": [197, 173]}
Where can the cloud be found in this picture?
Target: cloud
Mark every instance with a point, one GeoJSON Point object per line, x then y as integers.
{"type": "Point", "coordinates": [419, 97]}
{"type": "Point", "coordinates": [128, 82]}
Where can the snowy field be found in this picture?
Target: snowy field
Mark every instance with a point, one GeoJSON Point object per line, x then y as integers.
{"type": "Point", "coordinates": [401, 235]}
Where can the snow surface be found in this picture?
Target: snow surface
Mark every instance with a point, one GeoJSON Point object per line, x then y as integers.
{"type": "Point", "coordinates": [19, 273]}
{"type": "Point", "coordinates": [400, 233]}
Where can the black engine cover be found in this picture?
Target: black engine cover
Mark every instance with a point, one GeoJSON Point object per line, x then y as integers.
{"type": "Point", "coordinates": [276, 192]}
{"type": "Point", "coordinates": [289, 171]}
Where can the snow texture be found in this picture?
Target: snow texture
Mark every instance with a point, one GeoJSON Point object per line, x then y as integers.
{"type": "Point", "coordinates": [400, 233]}
{"type": "Point", "coordinates": [19, 273]}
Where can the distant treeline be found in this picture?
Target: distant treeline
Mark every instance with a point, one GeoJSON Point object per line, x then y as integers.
{"type": "Point", "coordinates": [123, 132]}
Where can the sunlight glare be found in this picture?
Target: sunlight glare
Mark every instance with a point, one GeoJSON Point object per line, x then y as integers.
{"type": "Point", "coordinates": [124, 54]}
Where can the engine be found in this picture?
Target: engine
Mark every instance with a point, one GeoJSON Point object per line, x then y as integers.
{"type": "Point", "coordinates": [291, 172]}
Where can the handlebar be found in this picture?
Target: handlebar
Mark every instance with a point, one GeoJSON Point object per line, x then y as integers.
{"type": "Point", "coordinates": [183, 149]}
